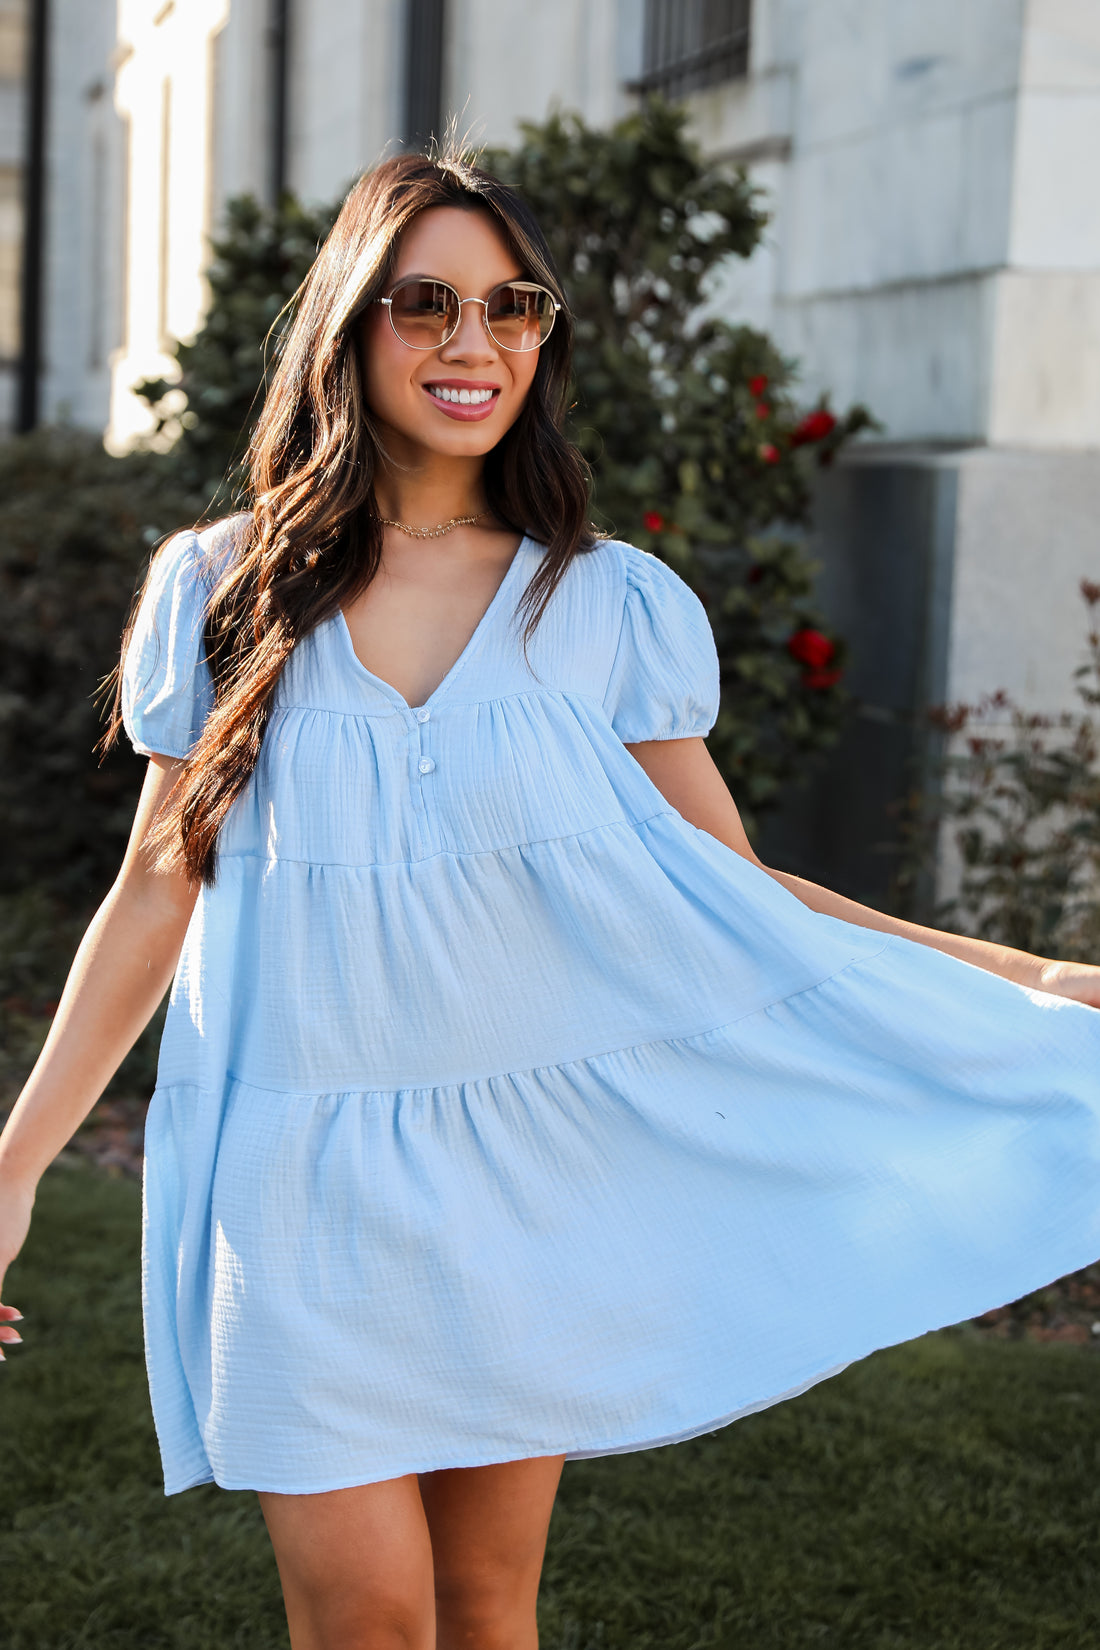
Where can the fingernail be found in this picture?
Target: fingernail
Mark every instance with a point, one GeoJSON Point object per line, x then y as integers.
{"type": "Point", "coordinates": [14, 1339]}
{"type": "Point", "coordinates": [15, 1317]}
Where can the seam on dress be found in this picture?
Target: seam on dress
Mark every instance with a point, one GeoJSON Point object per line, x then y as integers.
{"type": "Point", "coordinates": [559, 1065]}
{"type": "Point", "coordinates": [464, 704]}
{"type": "Point", "coordinates": [457, 853]}
{"type": "Point", "coordinates": [193, 560]}
{"type": "Point", "coordinates": [159, 750]}
{"type": "Point", "coordinates": [625, 576]}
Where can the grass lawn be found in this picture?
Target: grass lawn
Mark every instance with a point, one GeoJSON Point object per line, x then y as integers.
{"type": "Point", "coordinates": [945, 1494]}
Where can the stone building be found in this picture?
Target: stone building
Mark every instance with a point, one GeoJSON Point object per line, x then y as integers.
{"type": "Point", "coordinates": [934, 252]}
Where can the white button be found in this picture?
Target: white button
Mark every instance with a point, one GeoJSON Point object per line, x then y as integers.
{"type": "Point", "coordinates": [422, 714]}
{"type": "Point", "coordinates": [425, 764]}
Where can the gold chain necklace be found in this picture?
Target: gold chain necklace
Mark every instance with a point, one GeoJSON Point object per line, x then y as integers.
{"type": "Point", "coordinates": [432, 532]}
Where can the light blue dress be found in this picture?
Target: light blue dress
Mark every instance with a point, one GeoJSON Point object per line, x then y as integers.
{"type": "Point", "coordinates": [502, 1113]}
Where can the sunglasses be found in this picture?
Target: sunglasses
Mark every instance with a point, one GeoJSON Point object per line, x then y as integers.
{"type": "Point", "coordinates": [425, 314]}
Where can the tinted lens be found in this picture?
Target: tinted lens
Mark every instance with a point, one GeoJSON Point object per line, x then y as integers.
{"type": "Point", "coordinates": [424, 313]}
{"type": "Point", "coordinates": [520, 315]}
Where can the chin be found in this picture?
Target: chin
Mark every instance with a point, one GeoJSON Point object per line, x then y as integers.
{"type": "Point", "coordinates": [469, 441]}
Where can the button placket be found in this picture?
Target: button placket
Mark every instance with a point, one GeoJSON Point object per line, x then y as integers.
{"type": "Point", "coordinates": [425, 763]}
{"type": "Point", "coordinates": [425, 766]}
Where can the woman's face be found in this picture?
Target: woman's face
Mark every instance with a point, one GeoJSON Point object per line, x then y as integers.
{"type": "Point", "coordinates": [468, 251]}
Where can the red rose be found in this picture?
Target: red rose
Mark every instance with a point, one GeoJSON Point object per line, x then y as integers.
{"type": "Point", "coordinates": [821, 678]}
{"type": "Point", "coordinates": [758, 385]}
{"type": "Point", "coordinates": [810, 648]}
{"type": "Point", "coordinates": [762, 410]}
{"type": "Point", "coordinates": [653, 521]}
{"type": "Point", "coordinates": [814, 427]}
{"type": "Point", "coordinates": [769, 454]}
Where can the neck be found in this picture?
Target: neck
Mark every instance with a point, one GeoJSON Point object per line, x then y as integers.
{"type": "Point", "coordinates": [433, 489]}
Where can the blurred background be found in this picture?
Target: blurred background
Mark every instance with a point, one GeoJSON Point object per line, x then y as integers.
{"type": "Point", "coordinates": [931, 253]}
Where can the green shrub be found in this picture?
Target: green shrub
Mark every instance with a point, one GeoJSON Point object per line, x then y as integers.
{"type": "Point", "coordinates": [79, 526]}
{"type": "Point", "coordinates": [1024, 809]}
{"type": "Point", "coordinates": [39, 934]}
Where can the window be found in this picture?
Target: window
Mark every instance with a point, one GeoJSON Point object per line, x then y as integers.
{"type": "Point", "coordinates": [423, 108]}
{"type": "Point", "coordinates": [11, 247]}
{"type": "Point", "coordinates": [691, 44]}
{"type": "Point", "coordinates": [13, 40]}
{"type": "Point", "coordinates": [13, 120]}
{"type": "Point", "coordinates": [164, 224]}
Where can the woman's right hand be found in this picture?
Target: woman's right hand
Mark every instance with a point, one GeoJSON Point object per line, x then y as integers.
{"type": "Point", "coordinates": [16, 1203]}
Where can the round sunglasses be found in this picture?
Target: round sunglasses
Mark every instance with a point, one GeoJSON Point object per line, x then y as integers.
{"type": "Point", "coordinates": [519, 315]}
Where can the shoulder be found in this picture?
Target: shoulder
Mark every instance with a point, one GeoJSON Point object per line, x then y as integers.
{"type": "Point", "coordinates": [615, 592]}
{"type": "Point", "coordinates": [617, 568]}
{"type": "Point", "coordinates": [200, 555]}
{"type": "Point", "coordinates": [664, 679]}
{"type": "Point", "coordinates": [182, 577]}
{"type": "Point", "coordinates": [653, 593]}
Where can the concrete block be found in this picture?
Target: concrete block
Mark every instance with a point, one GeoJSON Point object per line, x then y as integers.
{"type": "Point", "coordinates": [1025, 536]}
{"type": "Point", "coordinates": [746, 119]}
{"type": "Point", "coordinates": [1045, 360]}
{"type": "Point", "coordinates": [866, 66]}
{"type": "Point", "coordinates": [926, 198]}
{"type": "Point", "coordinates": [1056, 193]}
{"type": "Point", "coordinates": [1061, 46]}
{"type": "Point", "coordinates": [549, 56]}
{"type": "Point", "coordinates": [916, 354]}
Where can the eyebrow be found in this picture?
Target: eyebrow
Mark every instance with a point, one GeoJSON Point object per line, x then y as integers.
{"type": "Point", "coordinates": [420, 275]}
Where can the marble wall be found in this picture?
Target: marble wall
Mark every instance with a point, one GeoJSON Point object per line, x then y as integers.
{"type": "Point", "coordinates": [936, 247]}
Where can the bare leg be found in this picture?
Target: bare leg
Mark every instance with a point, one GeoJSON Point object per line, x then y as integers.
{"type": "Point", "coordinates": [488, 1531]}
{"type": "Point", "coordinates": [356, 1567]}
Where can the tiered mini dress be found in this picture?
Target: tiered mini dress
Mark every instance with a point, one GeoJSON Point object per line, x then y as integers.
{"type": "Point", "coordinates": [501, 1112]}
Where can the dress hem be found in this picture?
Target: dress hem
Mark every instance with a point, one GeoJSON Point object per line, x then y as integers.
{"type": "Point", "coordinates": [963, 1310]}
{"type": "Point", "coordinates": [633, 1446]}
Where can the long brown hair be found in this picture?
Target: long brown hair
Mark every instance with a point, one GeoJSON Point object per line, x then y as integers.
{"type": "Point", "coordinates": [311, 542]}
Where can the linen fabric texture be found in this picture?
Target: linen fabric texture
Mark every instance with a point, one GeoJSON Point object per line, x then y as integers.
{"type": "Point", "coordinates": [501, 1112]}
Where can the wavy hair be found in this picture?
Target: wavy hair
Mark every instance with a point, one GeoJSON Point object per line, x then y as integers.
{"type": "Point", "coordinates": [311, 541]}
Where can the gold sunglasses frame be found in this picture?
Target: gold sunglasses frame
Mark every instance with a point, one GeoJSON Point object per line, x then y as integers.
{"type": "Point", "coordinates": [524, 286]}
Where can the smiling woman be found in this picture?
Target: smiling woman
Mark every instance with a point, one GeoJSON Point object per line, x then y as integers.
{"type": "Point", "coordinates": [436, 405]}
{"type": "Point", "coordinates": [508, 1108]}
{"type": "Point", "coordinates": [423, 344]}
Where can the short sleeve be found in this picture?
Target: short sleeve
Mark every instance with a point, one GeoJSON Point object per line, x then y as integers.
{"type": "Point", "coordinates": [167, 692]}
{"type": "Point", "coordinates": [664, 679]}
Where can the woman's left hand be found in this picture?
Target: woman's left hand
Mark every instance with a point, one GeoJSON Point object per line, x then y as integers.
{"type": "Point", "coordinates": [1078, 981]}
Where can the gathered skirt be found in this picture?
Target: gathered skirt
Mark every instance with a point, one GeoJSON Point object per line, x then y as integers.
{"type": "Point", "coordinates": [616, 1251]}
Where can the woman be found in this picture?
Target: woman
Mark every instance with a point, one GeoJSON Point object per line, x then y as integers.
{"type": "Point", "coordinates": [509, 1109]}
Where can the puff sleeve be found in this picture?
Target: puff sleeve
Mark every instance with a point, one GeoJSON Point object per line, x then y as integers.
{"type": "Point", "coordinates": [664, 679]}
{"type": "Point", "coordinates": [167, 691]}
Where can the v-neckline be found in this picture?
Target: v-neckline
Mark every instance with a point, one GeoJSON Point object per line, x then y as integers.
{"type": "Point", "coordinates": [478, 631]}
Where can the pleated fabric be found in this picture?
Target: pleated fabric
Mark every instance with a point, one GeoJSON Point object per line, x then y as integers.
{"type": "Point", "coordinates": [501, 1112]}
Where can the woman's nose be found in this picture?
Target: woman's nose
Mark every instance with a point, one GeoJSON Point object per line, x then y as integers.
{"type": "Point", "coordinates": [471, 338]}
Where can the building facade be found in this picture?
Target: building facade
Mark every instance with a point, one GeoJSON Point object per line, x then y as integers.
{"type": "Point", "coordinates": [933, 251]}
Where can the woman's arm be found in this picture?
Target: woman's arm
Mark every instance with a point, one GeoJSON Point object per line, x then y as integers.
{"type": "Point", "coordinates": [684, 772]}
{"type": "Point", "coordinates": [120, 973]}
